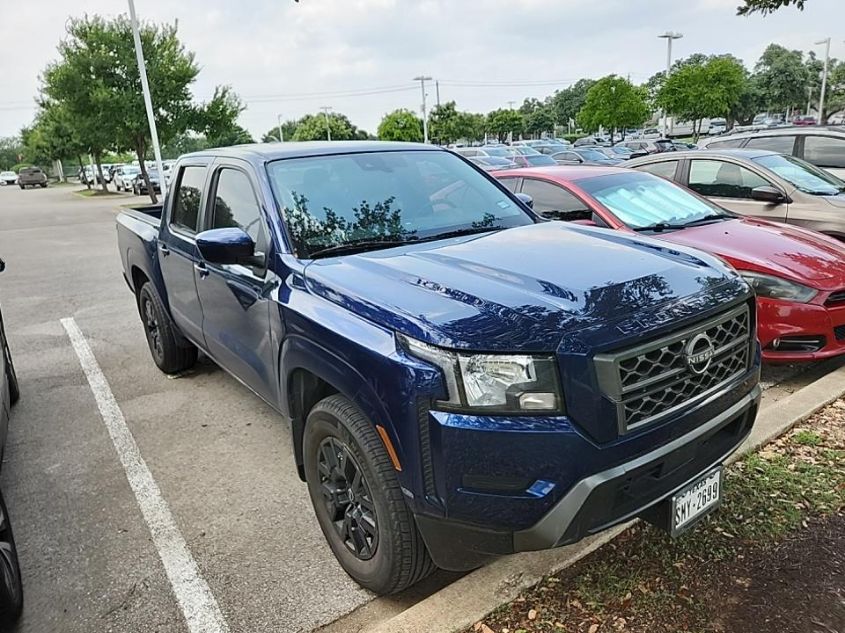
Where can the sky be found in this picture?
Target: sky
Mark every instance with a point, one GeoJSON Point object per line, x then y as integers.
{"type": "Point", "coordinates": [360, 56]}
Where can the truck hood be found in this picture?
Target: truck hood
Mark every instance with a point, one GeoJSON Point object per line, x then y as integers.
{"type": "Point", "coordinates": [522, 288]}
{"type": "Point", "coordinates": [770, 247]}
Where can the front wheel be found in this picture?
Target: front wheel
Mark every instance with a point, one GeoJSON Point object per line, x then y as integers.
{"type": "Point", "coordinates": [168, 354]}
{"type": "Point", "coordinates": [358, 501]}
{"type": "Point", "coordinates": [11, 587]}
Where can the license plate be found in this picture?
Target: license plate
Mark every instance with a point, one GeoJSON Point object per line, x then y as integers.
{"type": "Point", "coordinates": [696, 501]}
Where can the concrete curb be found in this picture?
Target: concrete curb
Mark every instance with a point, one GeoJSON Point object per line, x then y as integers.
{"type": "Point", "coordinates": [473, 596]}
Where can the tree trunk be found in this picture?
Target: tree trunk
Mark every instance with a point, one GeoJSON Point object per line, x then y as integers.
{"type": "Point", "coordinates": [97, 160]}
{"type": "Point", "coordinates": [140, 150]}
{"type": "Point", "coordinates": [82, 171]}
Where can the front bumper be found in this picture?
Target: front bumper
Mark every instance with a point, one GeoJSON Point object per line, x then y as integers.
{"type": "Point", "coordinates": [786, 321]}
{"type": "Point", "coordinates": [607, 484]}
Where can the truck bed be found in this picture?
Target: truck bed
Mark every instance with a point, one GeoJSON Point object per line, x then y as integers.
{"type": "Point", "coordinates": [150, 213]}
{"type": "Point", "coordinates": [137, 237]}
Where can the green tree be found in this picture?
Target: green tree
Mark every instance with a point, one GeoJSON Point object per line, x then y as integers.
{"type": "Point", "coordinates": [444, 123]}
{"type": "Point", "coordinates": [505, 122]}
{"type": "Point", "coordinates": [765, 7]}
{"type": "Point", "coordinates": [567, 103]}
{"type": "Point", "coordinates": [312, 127]}
{"type": "Point", "coordinates": [701, 89]}
{"type": "Point", "coordinates": [12, 151]}
{"type": "Point", "coordinates": [53, 136]}
{"type": "Point", "coordinates": [288, 130]}
{"type": "Point", "coordinates": [107, 106]}
{"type": "Point", "coordinates": [401, 125]}
{"type": "Point", "coordinates": [613, 102]}
{"type": "Point", "coordinates": [217, 119]}
{"type": "Point", "coordinates": [780, 76]}
{"type": "Point", "coordinates": [184, 144]}
{"type": "Point", "coordinates": [540, 120]}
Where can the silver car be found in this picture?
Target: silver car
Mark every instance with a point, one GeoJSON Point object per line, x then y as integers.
{"type": "Point", "coordinates": [820, 146]}
{"type": "Point", "coordinates": [758, 183]}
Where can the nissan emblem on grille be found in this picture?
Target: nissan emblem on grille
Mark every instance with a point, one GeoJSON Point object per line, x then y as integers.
{"type": "Point", "coordinates": [699, 352]}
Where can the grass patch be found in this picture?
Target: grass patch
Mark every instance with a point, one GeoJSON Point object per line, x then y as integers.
{"type": "Point", "coordinates": [646, 581]}
{"type": "Point", "coordinates": [94, 193]}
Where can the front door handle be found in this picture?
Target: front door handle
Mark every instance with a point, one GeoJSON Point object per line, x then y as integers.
{"type": "Point", "coordinates": [164, 250]}
{"type": "Point", "coordinates": [201, 269]}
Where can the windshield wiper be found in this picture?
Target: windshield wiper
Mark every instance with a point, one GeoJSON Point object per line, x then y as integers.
{"type": "Point", "coordinates": [459, 233]}
{"type": "Point", "coordinates": [660, 226]}
{"type": "Point", "coordinates": [710, 219]}
{"type": "Point", "coordinates": [360, 246]}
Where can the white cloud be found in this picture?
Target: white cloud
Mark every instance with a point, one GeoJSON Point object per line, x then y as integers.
{"type": "Point", "coordinates": [272, 50]}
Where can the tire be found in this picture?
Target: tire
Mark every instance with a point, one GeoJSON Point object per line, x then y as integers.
{"type": "Point", "coordinates": [11, 376]}
{"type": "Point", "coordinates": [168, 354]}
{"type": "Point", "coordinates": [44, 185]}
{"type": "Point", "coordinates": [391, 556]}
{"type": "Point", "coordinates": [11, 587]}
{"type": "Point", "coordinates": [22, 186]}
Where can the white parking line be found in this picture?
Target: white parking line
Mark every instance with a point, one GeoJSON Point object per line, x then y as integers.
{"type": "Point", "coordinates": [193, 594]}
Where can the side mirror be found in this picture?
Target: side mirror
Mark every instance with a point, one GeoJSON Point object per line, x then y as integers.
{"type": "Point", "coordinates": [226, 246]}
{"type": "Point", "coordinates": [2, 265]}
{"type": "Point", "coordinates": [527, 200]}
{"type": "Point", "coordinates": [767, 193]}
{"type": "Point", "coordinates": [638, 154]}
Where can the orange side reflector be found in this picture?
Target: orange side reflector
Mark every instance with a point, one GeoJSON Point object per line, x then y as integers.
{"type": "Point", "coordinates": [391, 452]}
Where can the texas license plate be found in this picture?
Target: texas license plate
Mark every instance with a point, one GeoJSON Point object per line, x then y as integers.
{"type": "Point", "coordinates": [696, 500]}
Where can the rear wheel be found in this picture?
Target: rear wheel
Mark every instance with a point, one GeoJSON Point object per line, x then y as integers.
{"type": "Point", "coordinates": [358, 501]}
{"type": "Point", "coordinates": [11, 376]}
{"type": "Point", "coordinates": [168, 354]}
{"type": "Point", "coordinates": [11, 587]}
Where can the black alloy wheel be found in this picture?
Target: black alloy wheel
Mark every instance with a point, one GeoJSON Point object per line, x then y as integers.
{"type": "Point", "coordinates": [347, 497]}
{"type": "Point", "coordinates": [152, 328]}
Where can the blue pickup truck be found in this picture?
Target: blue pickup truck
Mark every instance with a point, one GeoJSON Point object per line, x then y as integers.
{"type": "Point", "coordinates": [463, 379]}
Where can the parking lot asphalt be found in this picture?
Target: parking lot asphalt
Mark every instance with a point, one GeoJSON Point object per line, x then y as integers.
{"type": "Point", "coordinates": [220, 457]}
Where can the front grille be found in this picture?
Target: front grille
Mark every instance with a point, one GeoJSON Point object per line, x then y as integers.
{"type": "Point", "coordinates": [839, 331]}
{"type": "Point", "coordinates": [651, 380]}
{"type": "Point", "coordinates": [836, 298]}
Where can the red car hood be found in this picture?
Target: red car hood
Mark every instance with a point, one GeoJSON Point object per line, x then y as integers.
{"type": "Point", "coordinates": [770, 247]}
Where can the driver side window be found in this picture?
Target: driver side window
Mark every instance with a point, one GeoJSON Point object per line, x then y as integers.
{"type": "Point", "coordinates": [555, 202]}
{"type": "Point", "coordinates": [722, 179]}
{"type": "Point", "coordinates": [235, 205]}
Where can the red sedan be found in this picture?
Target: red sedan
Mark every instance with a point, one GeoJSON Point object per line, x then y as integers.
{"type": "Point", "coordinates": [799, 275]}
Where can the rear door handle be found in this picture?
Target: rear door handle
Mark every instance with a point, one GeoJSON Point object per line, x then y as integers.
{"type": "Point", "coordinates": [164, 250]}
{"type": "Point", "coordinates": [201, 270]}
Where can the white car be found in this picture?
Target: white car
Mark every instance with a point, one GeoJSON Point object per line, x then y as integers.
{"type": "Point", "coordinates": [8, 178]}
{"type": "Point", "coordinates": [124, 176]}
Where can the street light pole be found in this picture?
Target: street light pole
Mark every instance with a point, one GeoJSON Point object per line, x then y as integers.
{"type": "Point", "coordinates": [422, 79]}
{"type": "Point", "coordinates": [325, 110]}
{"type": "Point", "coordinates": [668, 36]}
{"type": "Point", "coordinates": [281, 135]}
{"type": "Point", "coordinates": [148, 102]}
{"type": "Point", "coordinates": [826, 42]}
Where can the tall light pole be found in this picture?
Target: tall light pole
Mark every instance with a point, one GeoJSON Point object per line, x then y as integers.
{"type": "Point", "coordinates": [826, 42]}
{"type": "Point", "coordinates": [148, 102]}
{"type": "Point", "coordinates": [422, 79]}
{"type": "Point", "coordinates": [281, 135]}
{"type": "Point", "coordinates": [325, 110]}
{"type": "Point", "coordinates": [668, 36]}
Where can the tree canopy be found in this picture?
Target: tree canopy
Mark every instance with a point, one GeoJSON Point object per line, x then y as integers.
{"type": "Point", "coordinates": [781, 77]}
{"type": "Point", "coordinates": [704, 88]}
{"type": "Point", "coordinates": [765, 7]}
{"type": "Point", "coordinates": [312, 127]}
{"type": "Point", "coordinates": [505, 122]}
{"type": "Point", "coordinates": [613, 102]}
{"type": "Point", "coordinates": [401, 125]}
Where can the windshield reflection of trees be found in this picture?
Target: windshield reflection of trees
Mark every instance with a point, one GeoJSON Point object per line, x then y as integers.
{"type": "Point", "coordinates": [379, 221]}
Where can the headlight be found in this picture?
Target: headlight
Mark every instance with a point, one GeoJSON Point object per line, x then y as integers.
{"type": "Point", "coordinates": [502, 383]}
{"type": "Point", "coordinates": [778, 288]}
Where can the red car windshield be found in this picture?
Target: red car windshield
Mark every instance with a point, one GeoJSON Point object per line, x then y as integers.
{"type": "Point", "coordinates": [641, 200]}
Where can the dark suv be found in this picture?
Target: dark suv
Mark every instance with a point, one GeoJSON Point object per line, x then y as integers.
{"type": "Point", "coordinates": [31, 177]}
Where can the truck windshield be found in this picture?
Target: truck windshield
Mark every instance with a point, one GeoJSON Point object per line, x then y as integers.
{"type": "Point", "coordinates": [381, 199]}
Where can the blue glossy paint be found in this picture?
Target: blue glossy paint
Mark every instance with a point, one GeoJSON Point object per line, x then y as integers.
{"type": "Point", "coordinates": [567, 290]}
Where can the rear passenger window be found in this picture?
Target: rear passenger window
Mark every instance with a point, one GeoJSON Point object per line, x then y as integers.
{"type": "Point", "coordinates": [722, 179]}
{"type": "Point", "coordinates": [824, 151]}
{"type": "Point", "coordinates": [510, 183]}
{"type": "Point", "coordinates": [235, 205]}
{"type": "Point", "coordinates": [555, 202]}
{"type": "Point", "coordinates": [186, 199]}
{"type": "Point", "coordinates": [665, 169]}
{"type": "Point", "coordinates": [779, 144]}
